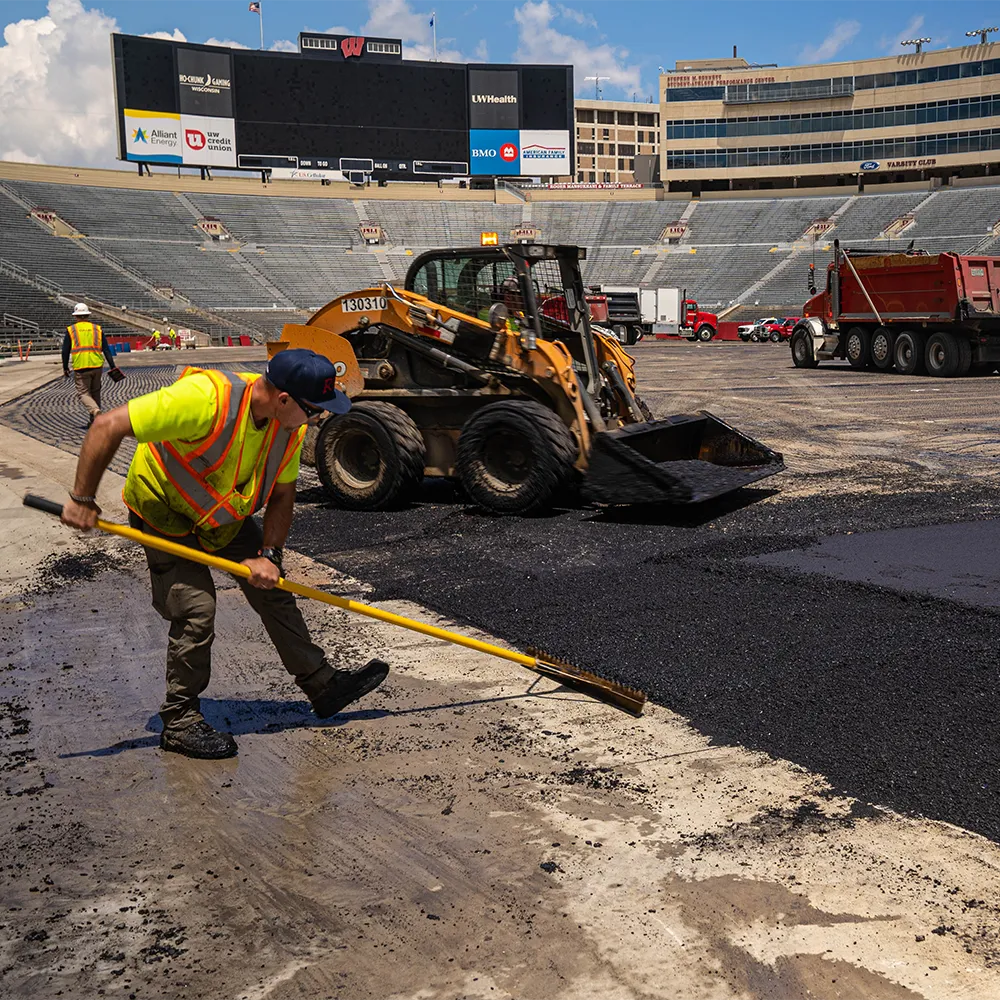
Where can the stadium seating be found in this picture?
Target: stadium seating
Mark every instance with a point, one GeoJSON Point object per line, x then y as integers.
{"type": "Point", "coordinates": [290, 254]}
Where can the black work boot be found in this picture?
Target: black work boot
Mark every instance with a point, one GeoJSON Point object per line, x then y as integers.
{"type": "Point", "coordinates": [348, 685]}
{"type": "Point", "coordinates": [198, 740]}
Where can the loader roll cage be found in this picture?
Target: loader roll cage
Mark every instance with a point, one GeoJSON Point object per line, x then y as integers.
{"type": "Point", "coordinates": [539, 284]}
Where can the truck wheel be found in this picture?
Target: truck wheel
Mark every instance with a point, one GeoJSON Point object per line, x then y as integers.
{"type": "Point", "coordinates": [705, 333]}
{"type": "Point", "coordinates": [964, 356]}
{"type": "Point", "coordinates": [775, 337]}
{"type": "Point", "coordinates": [632, 335]}
{"type": "Point", "coordinates": [908, 353]}
{"type": "Point", "coordinates": [801, 354]}
{"type": "Point", "coordinates": [370, 458]}
{"type": "Point", "coordinates": [882, 342]}
{"type": "Point", "coordinates": [943, 355]}
{"type": "Point", "coordinates": [514, 456]}
{"type": "Point", "coordinates": [754, 338]}
{"type": "Point", "coordinates": [859, 348]}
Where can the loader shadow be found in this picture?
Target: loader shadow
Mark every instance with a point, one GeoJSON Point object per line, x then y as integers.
{"type": "Point", "coordinates": [681, 515]}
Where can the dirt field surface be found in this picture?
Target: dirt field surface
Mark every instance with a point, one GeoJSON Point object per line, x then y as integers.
{"type": "Point", "coordinates": [808, 807]}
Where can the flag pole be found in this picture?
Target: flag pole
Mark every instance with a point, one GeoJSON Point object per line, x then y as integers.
{"type": "Point", "coordinates": [260, 14]}
{"type": "Point", "coordinates": [434, 27]}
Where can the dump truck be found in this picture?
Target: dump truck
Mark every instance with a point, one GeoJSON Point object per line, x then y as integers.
{"type": "Point", "coordinates": [484, 367]}
{"type": "Point", "coordinates": [912, 312]}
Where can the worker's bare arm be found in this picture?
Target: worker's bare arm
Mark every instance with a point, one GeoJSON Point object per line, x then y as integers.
{"type": "Point", "coordinates": [277, 524]}
{"type": "Point", "coordinates": [99, 447]}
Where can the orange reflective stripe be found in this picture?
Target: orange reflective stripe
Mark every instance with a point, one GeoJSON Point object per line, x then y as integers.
{"type": "Point", "coordinates": [240, 406]}
{"type": "Point", "coordinates": [208, 502]}
{"type": "Point", "coordinates": [280, 459]}
{"type": "Point", "coordinates": [223, 393]}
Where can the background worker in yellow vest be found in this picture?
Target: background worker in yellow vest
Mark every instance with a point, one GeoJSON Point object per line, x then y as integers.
{"type": "Point", "coordinates": [214, 448]}
{"type": "Point", "coordinates": [154, 340]}
{"type": "Point", "coordinates": [172, 337]}
{"type": "Point", "coordinates": [82, 350]}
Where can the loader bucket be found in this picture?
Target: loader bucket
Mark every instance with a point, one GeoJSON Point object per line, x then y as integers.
{"type": "Point", "coordinates": [686, 458]}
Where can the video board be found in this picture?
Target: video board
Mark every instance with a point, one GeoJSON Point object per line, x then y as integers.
{"type": "Point", "coordinates": [353, 108]}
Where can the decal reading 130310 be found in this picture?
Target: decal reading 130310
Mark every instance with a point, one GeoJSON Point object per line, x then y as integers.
{"type": "Point", "coordinates": [365, 304]}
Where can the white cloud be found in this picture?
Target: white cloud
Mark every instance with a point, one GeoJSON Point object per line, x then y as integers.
{"type": "Point", "coordinates": [539, 41]}
{"type": "Point", "coordinates": [284, 45]}
{"type": "Point", "coordinates": [226, 43]}
{"type": "Point", "coordinates": [588, 20]}
{"type": "Point", "coordinates": [397, 19]}
{"type": "Point", "coordinates": [483, 51]}
{"type": "Point", "coordinates": [912, 30]}
{"type": "Point", "coordinates": [56, 87]}
{"type": "Point", "coordinates": [839, 36]}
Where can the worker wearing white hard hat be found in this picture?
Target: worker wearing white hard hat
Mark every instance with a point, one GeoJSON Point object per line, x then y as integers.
{"type": "Point", "coordinates": [82, 349]}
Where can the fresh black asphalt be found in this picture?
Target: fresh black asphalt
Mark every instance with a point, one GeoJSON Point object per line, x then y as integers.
{"type": "Point", "coordinates": [888, 693]}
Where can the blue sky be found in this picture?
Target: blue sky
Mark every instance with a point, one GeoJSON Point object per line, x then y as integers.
{"type": "Point", "coordinates": [55, 57]}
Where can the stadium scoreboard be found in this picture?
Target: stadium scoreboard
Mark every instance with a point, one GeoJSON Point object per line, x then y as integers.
{"type": "Point", "coordinates": [342, 107]}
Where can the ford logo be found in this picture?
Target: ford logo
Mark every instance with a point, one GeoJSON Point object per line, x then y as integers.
{"type": "Point", "coordinates": [870, 165]}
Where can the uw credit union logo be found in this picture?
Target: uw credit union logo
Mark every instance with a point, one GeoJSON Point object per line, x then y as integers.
{"type": "Point", "coordinates": [194, 138]}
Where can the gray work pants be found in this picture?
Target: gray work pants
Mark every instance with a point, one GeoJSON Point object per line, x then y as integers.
{"type": "Point", "coordinates": [88, 388]}
{"type": "Point", "coordinates": [184, 594]}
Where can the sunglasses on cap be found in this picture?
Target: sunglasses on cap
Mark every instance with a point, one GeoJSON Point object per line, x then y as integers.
{"type": "Point", "coordinates": [307, 408]}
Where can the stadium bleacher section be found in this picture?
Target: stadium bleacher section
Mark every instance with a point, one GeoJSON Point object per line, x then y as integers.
{"type": "Point", "coordinates": [288, 255]}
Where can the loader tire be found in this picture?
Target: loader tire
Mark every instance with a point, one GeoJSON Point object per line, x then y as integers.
{"type": "Point", "coordinates": [514, 456]}
{"type": "Point", "coordinates": [370, 458]}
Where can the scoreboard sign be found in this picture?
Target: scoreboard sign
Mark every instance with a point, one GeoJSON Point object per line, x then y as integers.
{"type": "Point", "coordinates": [344, 107]}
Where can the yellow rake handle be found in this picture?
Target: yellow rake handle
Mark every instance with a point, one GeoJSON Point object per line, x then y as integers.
{"type": "Point", "coordinates": [606, 690]}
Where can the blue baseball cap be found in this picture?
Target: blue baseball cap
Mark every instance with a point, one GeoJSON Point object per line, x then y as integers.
{"type": "Point", "coordinates": [307, 377]}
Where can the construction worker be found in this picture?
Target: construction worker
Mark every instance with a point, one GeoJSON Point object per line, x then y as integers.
{"type": "Point", "coordinates": [214, 448]}
{"type": "Point", "coordinates": [154, 340]}
{"type": "Point", "coordinates": [82, 349]}
{"type": "Point", "coordinates": [172, 337]}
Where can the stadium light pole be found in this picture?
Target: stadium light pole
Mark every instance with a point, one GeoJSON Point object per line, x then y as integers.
{"type": "Point", "coordinates": [919, 42]}
{"type": "Point", "coordinates": [597, 84]}
{"type": "Point", "coordinates": [982, 32]}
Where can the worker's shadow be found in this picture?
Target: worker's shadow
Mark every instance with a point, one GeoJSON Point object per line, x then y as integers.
{"type": "Point", "coordinates": [241, 717]}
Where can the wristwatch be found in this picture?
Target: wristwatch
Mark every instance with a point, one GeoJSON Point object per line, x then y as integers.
{"type": "Point", "coordinates": [275, 554]}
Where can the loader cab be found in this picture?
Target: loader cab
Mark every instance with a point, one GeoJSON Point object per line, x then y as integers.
{"type": "Point", "coordinates": [474, 280]}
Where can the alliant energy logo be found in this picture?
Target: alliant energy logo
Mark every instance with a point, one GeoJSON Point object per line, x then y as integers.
{"type": "Point", "coordinates": [206, 84]}
{"type": "Point", "coordinates": [494, 99]}
{"type": "Point", "coordinates": [537, 152]}
{"type": "Point", "coordinates": [155, 136]}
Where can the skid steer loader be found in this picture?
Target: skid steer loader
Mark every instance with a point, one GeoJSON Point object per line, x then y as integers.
{"type": "Point", "coordinates": [486, 367]}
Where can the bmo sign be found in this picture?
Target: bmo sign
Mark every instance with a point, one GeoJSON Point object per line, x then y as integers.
{"type": "Point", "coordinates": [494, 151]}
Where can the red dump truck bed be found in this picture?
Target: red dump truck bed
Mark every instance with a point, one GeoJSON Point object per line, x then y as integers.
{"type": "Point", "coordinates": [905, 287]}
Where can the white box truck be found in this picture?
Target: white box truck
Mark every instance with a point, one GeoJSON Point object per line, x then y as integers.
{"type": "Point", "coordinates": [634, 311]}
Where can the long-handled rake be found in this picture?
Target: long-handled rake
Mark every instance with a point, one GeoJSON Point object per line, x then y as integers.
{"type": "Point", "coordinates": [571, 676]}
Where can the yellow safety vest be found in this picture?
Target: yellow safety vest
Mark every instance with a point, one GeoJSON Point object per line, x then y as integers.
{"type": "Point", "coordinates": [179, 492]}
{"type": "Point", "coordinates": [86, 341]}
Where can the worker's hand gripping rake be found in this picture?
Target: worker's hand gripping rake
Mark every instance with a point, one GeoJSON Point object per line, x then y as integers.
{"type": "Point", "coordinates": [573, 677]}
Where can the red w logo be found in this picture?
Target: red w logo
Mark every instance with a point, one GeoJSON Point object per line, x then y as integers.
{"type": "Point", "coordinates": [352, 47]}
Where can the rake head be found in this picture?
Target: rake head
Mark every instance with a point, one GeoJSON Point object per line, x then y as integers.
{"type": "Point", "coordinates": [611, 692]}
